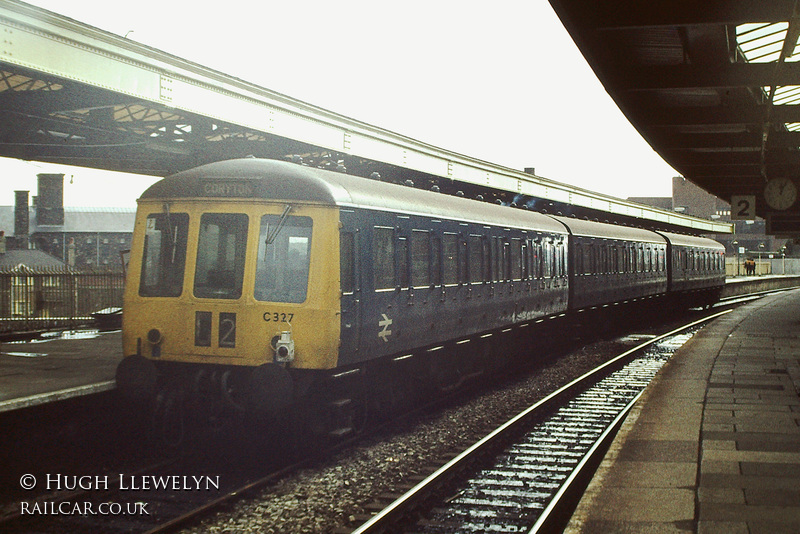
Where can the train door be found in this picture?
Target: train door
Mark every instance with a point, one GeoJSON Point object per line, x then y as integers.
{"type": "Point", "coordinates": [350, 279]}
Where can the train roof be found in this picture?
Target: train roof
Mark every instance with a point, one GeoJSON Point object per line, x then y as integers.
{"type": "Point", "coordinates": [253, 178]}
{"type": "Point", "coordinates": [582, 228]}
{"type": "Point", "coordinates": [693, 241]}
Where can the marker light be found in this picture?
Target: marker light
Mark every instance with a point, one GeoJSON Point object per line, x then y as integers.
{"type": "Point", "coordinates": [284, 348]}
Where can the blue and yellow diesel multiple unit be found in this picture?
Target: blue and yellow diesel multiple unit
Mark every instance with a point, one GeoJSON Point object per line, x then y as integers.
{"type": "Point", "coordinates": [255, 279]}
{"type": "Point", "coordinates": [260, 283]}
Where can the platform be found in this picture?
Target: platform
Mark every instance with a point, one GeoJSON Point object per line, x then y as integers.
{"type": "Point", "coordinates": [713, 445]}
{"type": "Point", "coordinates": [62, 366]}
{"type": "Point", "coordinates": [65, 366]}
{"type": "Point", "coordinates": [744, 285]}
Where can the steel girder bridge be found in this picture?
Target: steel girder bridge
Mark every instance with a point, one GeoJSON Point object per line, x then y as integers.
{"type": "Point", "coordinates": [77, 95]}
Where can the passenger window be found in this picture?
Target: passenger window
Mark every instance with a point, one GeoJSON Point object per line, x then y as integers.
{"type": "Point", "coordinates": [436, 262]}
{"type": "Point", "coordinates": [487, 270]}
{"type": "Point", "coordinates": [497, 258]}
{"type": "Point", "coordinates": [526, 272]}
{"type": "Point", "coordinates": [476, 264]}
{"type": "Point", "coordinates": [604, 258]}
{"type": "Point", "coordinates": [420, 258]}
{"type": "Point", "coordinates": [538, 260]}
{"type": "Point", "coordinates": [516, 259]}
{"type": "Point", "coordinates": [506, 261]}
{"type": "Point", "coordinates": [614, 259]}
{"type": "Point", "coordinates": [284, 258]}
{"type": "Point", "coordinates": [632, 258]}
{"type": "Point", "coordinates": [450, 258]}
{"type": "Point", "coordinates": [548, 261]}
{"type": "Point", "coordinates": [383, 258]}
{"type": "Point", "coordinates": [587, 258]}
{"type": "Point", "coordinates": [462, 261]}
{"type": "Point", "coordinates": [402, 262]}
{"type": "Point", "coordinates": [164, 256]}
{"type": "Point", "coordinates": [489, 258]}
{"type": "Point", "coordinates": [221, 244]}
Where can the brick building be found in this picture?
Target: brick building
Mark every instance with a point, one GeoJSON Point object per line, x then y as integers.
{"type": "Point", "coordinates": [690, 199]}
{"type": "Point", "coordinates": [80, 237]}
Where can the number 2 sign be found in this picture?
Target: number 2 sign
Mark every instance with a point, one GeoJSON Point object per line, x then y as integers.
{"type": "Point", "coordinates": [743, 207]}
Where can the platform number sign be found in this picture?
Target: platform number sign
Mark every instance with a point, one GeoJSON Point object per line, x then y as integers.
{"type": "Point", "coordinates": [743, 207]}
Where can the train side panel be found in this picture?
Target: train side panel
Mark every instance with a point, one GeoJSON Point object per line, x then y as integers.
{"type": "Point", "coordinates": [419, 282]}
{"type": "Point", "coordinates": [614, 264]}
{"type": "Point", "coordinates": [612, 270]}
{"type": "Point", "coordinates": [697, 269]}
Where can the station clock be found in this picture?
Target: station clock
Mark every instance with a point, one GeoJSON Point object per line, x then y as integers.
{"type": "Point", "coordinates": [780, 193]}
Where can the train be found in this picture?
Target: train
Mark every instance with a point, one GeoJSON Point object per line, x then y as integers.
{"type": "Point", "coordinates": [255, 286]}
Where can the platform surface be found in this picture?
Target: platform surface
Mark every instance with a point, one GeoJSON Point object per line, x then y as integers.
{"type": "Point", "coordinates": [713, 445]}
{"type": "Point", "coordinates": [66, 365]}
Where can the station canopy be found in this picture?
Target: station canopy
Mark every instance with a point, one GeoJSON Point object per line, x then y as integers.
{"type": "Point", "coordinates": [713, 86]}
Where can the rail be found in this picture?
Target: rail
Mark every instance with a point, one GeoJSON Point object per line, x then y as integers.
{"type": "Point", "coordinates": [412, 502]}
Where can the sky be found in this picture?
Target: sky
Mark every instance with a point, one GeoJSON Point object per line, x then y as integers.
{"type": "Point", "coordinates": [500, 81]}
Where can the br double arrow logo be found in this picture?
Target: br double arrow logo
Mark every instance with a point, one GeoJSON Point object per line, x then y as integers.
{"type": "Point", "coordinates": [385, 323]}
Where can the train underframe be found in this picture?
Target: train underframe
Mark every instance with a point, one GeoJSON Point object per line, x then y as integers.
{"type": "Point", "coordinates": [181, 398]}
{"type": "Point", "coordinates": [331, 404]}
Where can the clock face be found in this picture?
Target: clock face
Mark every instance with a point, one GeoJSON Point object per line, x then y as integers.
{"type": "Point", "coordinates": [780, 193]}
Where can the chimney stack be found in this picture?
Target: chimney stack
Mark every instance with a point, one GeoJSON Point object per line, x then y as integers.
{"type": "Point", "coordinates": [21, 219]}
{"type": "Point", "coordinates": [50, 205]}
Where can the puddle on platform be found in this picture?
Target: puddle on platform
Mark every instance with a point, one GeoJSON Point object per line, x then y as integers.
{"type": "Point", "coordinates": [66, 335]}
{"type": "Point", "coordinates": [79, 334]}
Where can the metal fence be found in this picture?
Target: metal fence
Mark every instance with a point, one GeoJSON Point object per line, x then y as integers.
{"type": "Point", "coordinates": [40, 299]}
{"type": "Point", "coordinates": [764, 266]}
{"type": "Point", "coordinates": [784, 265]}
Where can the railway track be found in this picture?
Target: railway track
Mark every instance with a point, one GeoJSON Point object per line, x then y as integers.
{"type": "Point", "coordinates": [156, 500]}
{"type": "Point", "coordinates": [527, 473]}
{"type": "Point", "coordinates": [551, 451]}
